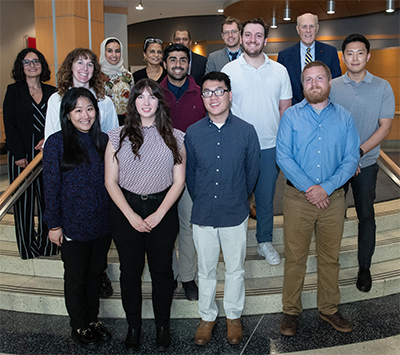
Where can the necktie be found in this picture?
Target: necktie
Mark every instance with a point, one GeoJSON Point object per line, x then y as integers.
{"type": "Point", "coordinates": [308, 56]}
{"type": "Point", "coordinates": [234, 55]}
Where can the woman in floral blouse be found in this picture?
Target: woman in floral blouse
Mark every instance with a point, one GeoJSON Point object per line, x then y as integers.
{"type": "Point", "coordinates": [117, 80]}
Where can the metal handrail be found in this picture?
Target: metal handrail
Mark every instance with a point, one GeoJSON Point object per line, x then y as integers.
{"type": "Point", "coordinates": [389, 167]}
{"type": "Point", "coordinates": [20, 184]}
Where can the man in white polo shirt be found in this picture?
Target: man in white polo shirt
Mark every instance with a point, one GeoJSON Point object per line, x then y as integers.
{"type": "Point", "coordinates": [261, 93]}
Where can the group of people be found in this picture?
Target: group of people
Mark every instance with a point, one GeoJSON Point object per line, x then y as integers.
{"type": "Point", "coordinates": [176, 149]}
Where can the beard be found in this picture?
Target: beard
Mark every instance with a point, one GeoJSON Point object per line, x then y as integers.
{"type": "Point", "coordinates": [315, 97]}
{"type": "Point", "coordinates": [253, 54]}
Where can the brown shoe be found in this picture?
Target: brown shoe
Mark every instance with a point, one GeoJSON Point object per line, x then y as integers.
{"type": "Point", "coordinates": [289, 324]}
{"type": "Point", "coordinates": [203, 333]}
{"type": "Point", "coordinates": [235, 332]}
{"type": "Point", "coordinates": [337, 321]}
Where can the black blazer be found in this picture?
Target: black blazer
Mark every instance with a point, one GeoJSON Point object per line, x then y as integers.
{"type": "Point", "coordinates": [290, 58]}
{"type": "Point", "coordinates": [18, 118]}
{"type": "Point", "coordinates": [198, 67]}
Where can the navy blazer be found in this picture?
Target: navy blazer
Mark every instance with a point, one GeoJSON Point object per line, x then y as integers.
{"type": "Point", "coordinates": [198, 67]}
{"type": "Point", "coordinates": [290, 58]}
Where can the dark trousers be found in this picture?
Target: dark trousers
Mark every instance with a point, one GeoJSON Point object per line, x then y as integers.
{"type": "Point", "coordinates": [132, 247]}
{"type": "Point", "coordinates": [31, 242]}
{"type": "Point", "coordinates": [83, 270]}
{"type": "Point", "coordinates": [363, 186]}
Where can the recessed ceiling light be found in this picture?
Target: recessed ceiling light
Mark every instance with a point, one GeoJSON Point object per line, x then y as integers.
{"type": "Point", "coordinates": [221, 10]}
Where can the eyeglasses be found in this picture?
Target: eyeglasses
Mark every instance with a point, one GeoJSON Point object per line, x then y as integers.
{"type": "Point", "coordinates": [232, 32]}
{"type": "Point", "coordinates": [218, 92]}
{"type": "Point", "coordinates": [152, 40]}
{"type": "Point", "coordinates": [28, 62]}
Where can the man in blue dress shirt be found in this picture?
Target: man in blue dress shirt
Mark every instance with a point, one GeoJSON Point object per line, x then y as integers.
{"type": "Point", "coordinates": [223, 156]}
{"type": "Point", "coordinates": [318, 151]}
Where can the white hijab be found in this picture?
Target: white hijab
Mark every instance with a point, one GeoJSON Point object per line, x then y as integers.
{"type": "Point", "coordinates": [106, 67]}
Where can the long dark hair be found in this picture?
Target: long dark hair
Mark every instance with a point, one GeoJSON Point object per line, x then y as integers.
{"type": "Point", "coordinates": [18, 73]}
{"type": "Point", "coordinates": [65, 77]}
{"type": "Point", "coordinates": [74, 153]}
{"type": "Point", "coordinates": [163, 122]}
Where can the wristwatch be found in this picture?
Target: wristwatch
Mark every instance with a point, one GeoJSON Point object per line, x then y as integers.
{"type": "Point", "coordinates": [361, 153]}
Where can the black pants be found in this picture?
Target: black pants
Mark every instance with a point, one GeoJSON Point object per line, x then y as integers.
{"type": "Point", "coordinates": [83, 270]}
{"type": "Point", "coordinates": [31, 242]}
{"type": "Point", "coordinates": [132, 247]}
{"type": "Point", "coordinates": [364, 186]}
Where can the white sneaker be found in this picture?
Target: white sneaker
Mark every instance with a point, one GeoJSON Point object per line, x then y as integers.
{"type": "Point", "coordinates": [269, 253]}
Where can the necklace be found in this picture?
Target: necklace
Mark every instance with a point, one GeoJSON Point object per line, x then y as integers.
{"type": "Point", "coordinates": [34, 91]}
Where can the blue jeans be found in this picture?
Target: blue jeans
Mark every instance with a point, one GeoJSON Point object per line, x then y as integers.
{"type": "Point", "coordinates": [264, 194]}
{"type": "Point", "coordinates": [363, 186]}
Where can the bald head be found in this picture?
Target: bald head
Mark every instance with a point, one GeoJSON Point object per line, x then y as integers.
{"type": "Point", "coordinates": [307, 28]}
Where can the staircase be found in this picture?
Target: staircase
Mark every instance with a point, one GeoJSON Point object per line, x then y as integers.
{"type": "Point", "coordinates": [36, 286]}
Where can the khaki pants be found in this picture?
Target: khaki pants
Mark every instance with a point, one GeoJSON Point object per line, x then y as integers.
{"type": "Point", "coordinates": [300, 219]}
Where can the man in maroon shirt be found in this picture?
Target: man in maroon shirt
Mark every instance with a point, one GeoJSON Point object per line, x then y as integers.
{"type": "Point", "coordinates": [184, 99]}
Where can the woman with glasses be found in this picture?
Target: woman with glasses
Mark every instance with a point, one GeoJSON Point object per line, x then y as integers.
{"type": "Point", "coordinates": [152, 55]}
{"type": "Point", "coordinates": [145, 174]}
{"type": "Point", "coordinates": [80, 69]}
{"type": "Point", "coordinates": [24, 112]}
{"type": "Point", "coordinates": [117, 80]}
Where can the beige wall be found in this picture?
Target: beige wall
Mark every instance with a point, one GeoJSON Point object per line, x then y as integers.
{"type": "Point", "coordinates": [16, 22]}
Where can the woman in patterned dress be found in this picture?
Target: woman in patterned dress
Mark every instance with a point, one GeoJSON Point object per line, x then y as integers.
{"type": "Point", "coordinates": [145, 175]}
{"type": "Point", "coordinates": [117, 80]}
{"type": "Point", "coordinates": [24, 112]}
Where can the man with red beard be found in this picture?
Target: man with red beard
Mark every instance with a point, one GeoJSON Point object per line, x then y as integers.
{"type": "Point", "coordinates": [318, 151]}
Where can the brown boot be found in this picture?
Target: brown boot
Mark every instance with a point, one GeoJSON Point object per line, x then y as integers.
{"type": "Point", "coordinates": [289, 324]}
{"type": "Point", "coordinates": [203, 333]}
{"type": "Point", "coordinates": [235, 332]}
{"type": "Point", "coordinates": [337, 321]}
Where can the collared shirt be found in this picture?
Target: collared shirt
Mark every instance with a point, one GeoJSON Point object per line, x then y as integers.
{"type": "Point", "coordinates": [256, 95]}
{"type": "Point", "coordinates": [222, 169]}
{"type": "Point", "coordinates": [230, 54]}
{"type": "Point", "coordinates": [368, 101]}
{"type": "Point", "coordinates": [178, 91]}
{"type": "Point", "coordinates": [303, 52]}
{"type": "Point", "coordinates": [317, 149]}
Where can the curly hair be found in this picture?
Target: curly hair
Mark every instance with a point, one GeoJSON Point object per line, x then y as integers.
{"type": "Point", "coordinates": [18, 73]}
{"type": "Point", "coordinates": [163, 122]}
{"type": "Point", "coordinates": [65, 77]}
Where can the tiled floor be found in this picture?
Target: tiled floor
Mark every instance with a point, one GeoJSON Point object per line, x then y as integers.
{"type": "Point", "coordinates": [22, 333]}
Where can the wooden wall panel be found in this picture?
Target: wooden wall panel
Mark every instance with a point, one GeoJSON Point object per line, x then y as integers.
{"type": "Point", "coordinates": [44, 38]}
{"type": "Point", "coordinates": [97, 10]}
{"type": "Point", "coordinates": [43, 9]}
{"type": "Point", "coordinates": [97, 36]}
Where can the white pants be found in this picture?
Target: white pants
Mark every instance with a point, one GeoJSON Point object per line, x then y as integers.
{"type": "Point", "coordinates": [208, 241]}
{"type": "Point", "coordinates": [187, 266]}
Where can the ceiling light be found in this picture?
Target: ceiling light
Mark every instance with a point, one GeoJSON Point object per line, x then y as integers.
{"type": "Point", "coordinates": [330, 7]}
{"type": "Point", "coordinates": [274, 22]}
{"type": "Point", "coordinates": [140, 6]}
{"type": "Point", "coordinates": [389, 5]}
{"type": "Point", "coordinates": [221, 10]}
{"type": "Point", "coordinates": [286, 12]}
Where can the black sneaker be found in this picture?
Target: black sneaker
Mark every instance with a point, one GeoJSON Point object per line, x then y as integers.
{"type": "Point", "coordinates": [106, 289]}
{"type": "Point", "coordinates": [191, 290]}
{"type": "Point", "coordinates": [85, 338]}
{"type": "Point", "coordinates": [100, 331]}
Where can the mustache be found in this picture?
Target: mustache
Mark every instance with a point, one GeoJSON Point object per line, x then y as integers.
{"type": "Point", "coordinates": [180, 68]}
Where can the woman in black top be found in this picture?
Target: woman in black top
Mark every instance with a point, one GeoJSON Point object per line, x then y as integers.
{"type": "Point", "coordinates": [24, 112]}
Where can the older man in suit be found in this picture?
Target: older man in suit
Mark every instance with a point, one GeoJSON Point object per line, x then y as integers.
{"type": "Point", "coordinates": [197, 62]}
{"type": "Point", "coordinates": [307, 50]}
{"type": "Point", "coordinates": [230, 33]}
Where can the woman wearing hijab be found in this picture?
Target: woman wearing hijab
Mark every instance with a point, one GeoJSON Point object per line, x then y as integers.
{"type": "Point", "coordinates": [24, 112]}
{"type": "Point", "coordinates": [117, 80]}
{"type": "Point", "coordinates": [152, 55]}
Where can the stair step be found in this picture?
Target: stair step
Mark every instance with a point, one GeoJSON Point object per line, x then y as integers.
{"type": "Point", "coordinates": [35, 294]}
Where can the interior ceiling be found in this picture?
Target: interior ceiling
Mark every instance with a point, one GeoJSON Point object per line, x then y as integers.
{"type": "Point", "coordinates": [245, 9]}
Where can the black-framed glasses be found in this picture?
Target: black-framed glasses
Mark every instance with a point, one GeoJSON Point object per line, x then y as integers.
{"type": "Point", "coordinates": [217, 92]}
{"type": "Point", "coordinates": [152, 40]}
{"type": "Point", "coordinates": [232, 32]}
{"type": "Point", "coordinates": [28, 62]}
